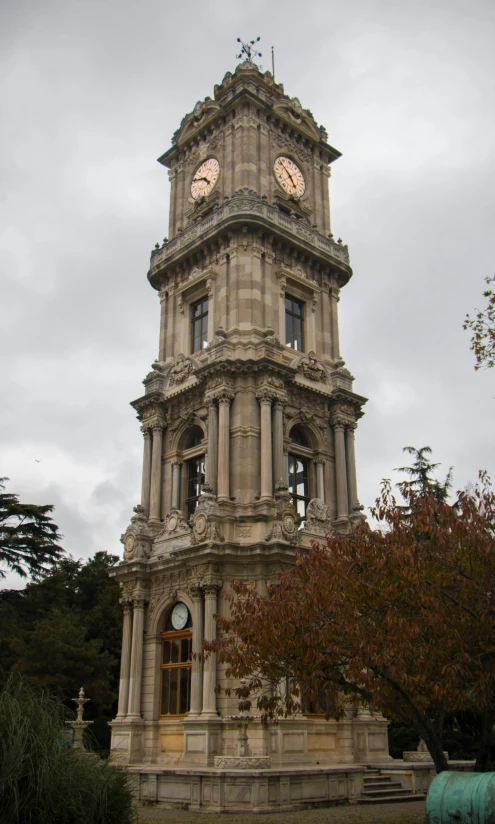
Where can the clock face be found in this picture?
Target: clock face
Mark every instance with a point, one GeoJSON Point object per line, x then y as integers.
{"type": "Point", "coordinates": [289, 176]}
{"type": "Point", "coordinates": [180, 614]}
{"type": "Point", "coordinates": [205, 178]}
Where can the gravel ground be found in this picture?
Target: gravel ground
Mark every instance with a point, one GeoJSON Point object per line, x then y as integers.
{"type": "Point", "coordinates": [409, 813]}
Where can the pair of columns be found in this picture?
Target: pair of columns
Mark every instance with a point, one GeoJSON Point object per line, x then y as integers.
{"type": "Point", "coordinates": [345, 467]}
{"type": "Point", "coordinates": [271, 449]}
{"type": "Point", "coordinates": [151, 489]}
{"type": "Point", "coordinates": [203, 673]}
{"type": "Point", "coordinates": [218, 462]}
{"type": "Point", "coordinates": [131, 662]}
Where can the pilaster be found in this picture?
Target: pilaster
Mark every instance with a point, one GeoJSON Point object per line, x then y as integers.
{"type": "Point", "coordinates": [136, 667]}
{"type": "Point", "coordinates": [156, 473]}
{"type": "Point", "coordinates": [210, 664]}
{"type": "Point", "coordinates": [125, 660]}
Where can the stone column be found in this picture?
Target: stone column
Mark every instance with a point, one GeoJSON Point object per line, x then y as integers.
{"type": "Point", "coordinates": [212, 461]}
{"type": "Point", "coordinates": [320, 479]}
{"type": "Point", "coordinates": [125, 660]}
{"type": "Point", "coordinates": [136, 669]}
{"type": "Point", "coordinates": [265, 400]}
{"type": "Point", "coordinates": [340, 470]}
{"type": "Point", "coordinates": [197, 664]}
{"type": "Point", "coordinates": [210, 664]}
{"type": "Point", "coordinates": [351, 467]}
{"type": "Point", "coordinates": [176, 473]}
{"type": "Point", "coordinates": [278, 442]}
{"type": "Point", "coordinates": [156, 472]}
{"type": "Point", "coordinates": [334, 321]}
{"type": "Point", "coordinates": [163, 325]}
{"type": "Point", "coordinates": [146, 484]}
{"type": "Point", "coordinates": [223, 476]}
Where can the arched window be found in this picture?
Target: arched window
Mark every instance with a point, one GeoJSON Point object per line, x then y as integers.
{"type": "Point", "coordinates": [299, 471]}
{"type": "Point", "coordinates": [176, 662]}
{"type": "Point", "coordinates": [195, 469]}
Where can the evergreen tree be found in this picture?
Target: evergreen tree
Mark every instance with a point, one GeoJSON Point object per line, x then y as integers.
{"type": "Point", "coordinates": [28, 536]}
{"type": "Point", "coordinates": [63, 631]}
{"type": "Point", "coordinates": [421, 480]}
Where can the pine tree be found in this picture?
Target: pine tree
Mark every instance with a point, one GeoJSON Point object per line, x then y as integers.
{"type": "Point", "coordinates": [28, 536]}
{"type": "Point", "coordinates": [421, 480]}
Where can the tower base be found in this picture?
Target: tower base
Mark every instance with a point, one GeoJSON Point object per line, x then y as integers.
{"type": "Point", "coordinates": [236, 791]}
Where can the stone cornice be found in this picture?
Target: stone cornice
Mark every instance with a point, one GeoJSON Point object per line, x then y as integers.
{"type": "Point", "coordinates": [246, 206]}
{"type": "Point", "coordinates": [268, 96]}
{"type": "Point", "coordinates": [342, 398]}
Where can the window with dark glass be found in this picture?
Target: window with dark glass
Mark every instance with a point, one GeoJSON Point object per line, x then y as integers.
{"type": "Point", "coordinates": [298, 483]}
{"type": "Point", "coordinates": [298, 473]}
{"type": "Point", "coordinates": [323, 705]}
{"type": "Point", "coordinates": [195, 479]}
{"type": "Point", "coordinates": [199, 321]}
{"type": "Point", "coordinates": [176, 669]}
{"type": "Point", "coordinates": [294, 323]}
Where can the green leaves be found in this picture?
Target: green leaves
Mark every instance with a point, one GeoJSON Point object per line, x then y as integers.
{"type": "Point", "coordinates": [482, 328]}
{"type": "Point", "coordinates": [28, 536]}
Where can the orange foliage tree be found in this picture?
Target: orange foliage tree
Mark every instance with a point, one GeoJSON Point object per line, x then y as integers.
{"type": "Point", "coordinates": [400, 618]}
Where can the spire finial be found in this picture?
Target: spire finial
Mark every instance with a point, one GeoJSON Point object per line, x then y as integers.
{"type": "Point", "coordinates": [248, 51]}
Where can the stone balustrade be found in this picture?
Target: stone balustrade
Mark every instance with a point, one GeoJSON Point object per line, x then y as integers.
{"type": "Point", "coordinates": [248, 203]}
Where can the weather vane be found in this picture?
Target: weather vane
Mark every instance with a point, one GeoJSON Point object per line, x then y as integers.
{"type": "Point", "coordinates": [248, 49]}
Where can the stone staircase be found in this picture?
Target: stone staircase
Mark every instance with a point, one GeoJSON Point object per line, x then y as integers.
{"type": "Point", "coordinates": [380, 789]}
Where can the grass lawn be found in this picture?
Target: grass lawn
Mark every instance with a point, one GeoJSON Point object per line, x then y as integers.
{"type": "Point", "coordinates": [408, 813]}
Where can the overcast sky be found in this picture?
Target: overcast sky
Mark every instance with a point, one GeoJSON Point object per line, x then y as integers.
{"type": "Point", "coordinates": [91, 92]}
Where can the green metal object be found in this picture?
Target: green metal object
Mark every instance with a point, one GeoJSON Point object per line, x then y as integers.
{"type": "Point", "coordinates": [461, 798]}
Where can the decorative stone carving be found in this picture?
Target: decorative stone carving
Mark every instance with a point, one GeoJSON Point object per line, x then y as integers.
{"type": "Point", "coordinates": [205, 526]}
{"type": "Point", "coordinates": [184, 367]}
{"type": "Point", "coordinates": [168, 584]}
{"type": "Point", "coordinates": [284, 527]}
{"type": "Point", "coordinates": [232, 762]}
{"type": "Point", "coordinates": [312, 369]}
{"type": "Point", "coordinates": [175, 524]}
{"type": "Point", "coordinates": [421, 754]}
{"type": "Point", "coordinates": [318, 520]}
{"type": "Point", "coordinates": [137, 538]}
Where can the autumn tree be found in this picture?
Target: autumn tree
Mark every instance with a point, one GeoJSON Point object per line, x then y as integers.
{"type": "Point", "coordinates": [482, 328]}
{"type": "Point", "coordinates": [28, 536]}
{"type": "Point", "coordinates": [400, 617]}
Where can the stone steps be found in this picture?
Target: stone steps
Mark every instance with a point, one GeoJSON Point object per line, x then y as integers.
{"type": "Point", "coordinates": [380, 789]}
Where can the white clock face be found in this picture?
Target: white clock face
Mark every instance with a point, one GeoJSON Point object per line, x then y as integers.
{"type": "Point", "coordinates": [289, 176]}
{"type": "Point", "coordinates": [180, 614]}
{"type": "Point", "coordinates": [205, 178]}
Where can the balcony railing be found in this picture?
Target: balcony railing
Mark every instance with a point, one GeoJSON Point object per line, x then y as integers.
{"type": "Point", "coordinates": [246, 202]}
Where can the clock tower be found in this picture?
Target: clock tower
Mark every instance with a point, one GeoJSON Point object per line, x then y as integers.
{"type": "Point", "coordinates": [248, 419]}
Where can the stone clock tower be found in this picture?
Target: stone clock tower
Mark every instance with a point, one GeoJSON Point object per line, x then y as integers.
{"type": "Point", "coordinates": [248, 421]}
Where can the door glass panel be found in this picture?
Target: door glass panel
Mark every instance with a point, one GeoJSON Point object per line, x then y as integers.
{"type": "Point", "coordinates": [184, 649]}
{"type": "Point", "coordinates": [173, 690]}
{"type": "Point", "coordinates": [184, 691]}
{"type": "Point", "coordinates": [165, 691]}
{"type": "Point", "coordinates": [166, 652]}
{"type": "Point", "coordinates": [175, 652]}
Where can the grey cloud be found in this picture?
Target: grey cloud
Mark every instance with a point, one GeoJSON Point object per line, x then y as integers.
{"type": "Point", "coordinates": [92, 94]}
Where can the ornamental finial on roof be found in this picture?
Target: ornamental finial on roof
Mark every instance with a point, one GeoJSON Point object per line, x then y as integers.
{"type": "Point", "coordinates": [248, 51]}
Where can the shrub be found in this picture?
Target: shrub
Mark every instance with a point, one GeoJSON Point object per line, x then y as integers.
{"type": "Point", "coordinates": [42, 781]}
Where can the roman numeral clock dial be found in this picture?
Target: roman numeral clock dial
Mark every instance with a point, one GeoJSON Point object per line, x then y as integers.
{"type": "Point", "coordinates": [205, 178]}
{"type": "Point", "coordinates": [289, 176]}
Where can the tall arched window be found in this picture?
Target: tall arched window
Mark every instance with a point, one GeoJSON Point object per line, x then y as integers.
{"type": "Point", "coordinates": [176, 662]}
{"type": "Point", "coordinates": [299, 471]}
{"type": "Point", "coordinates": [195, 467]}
